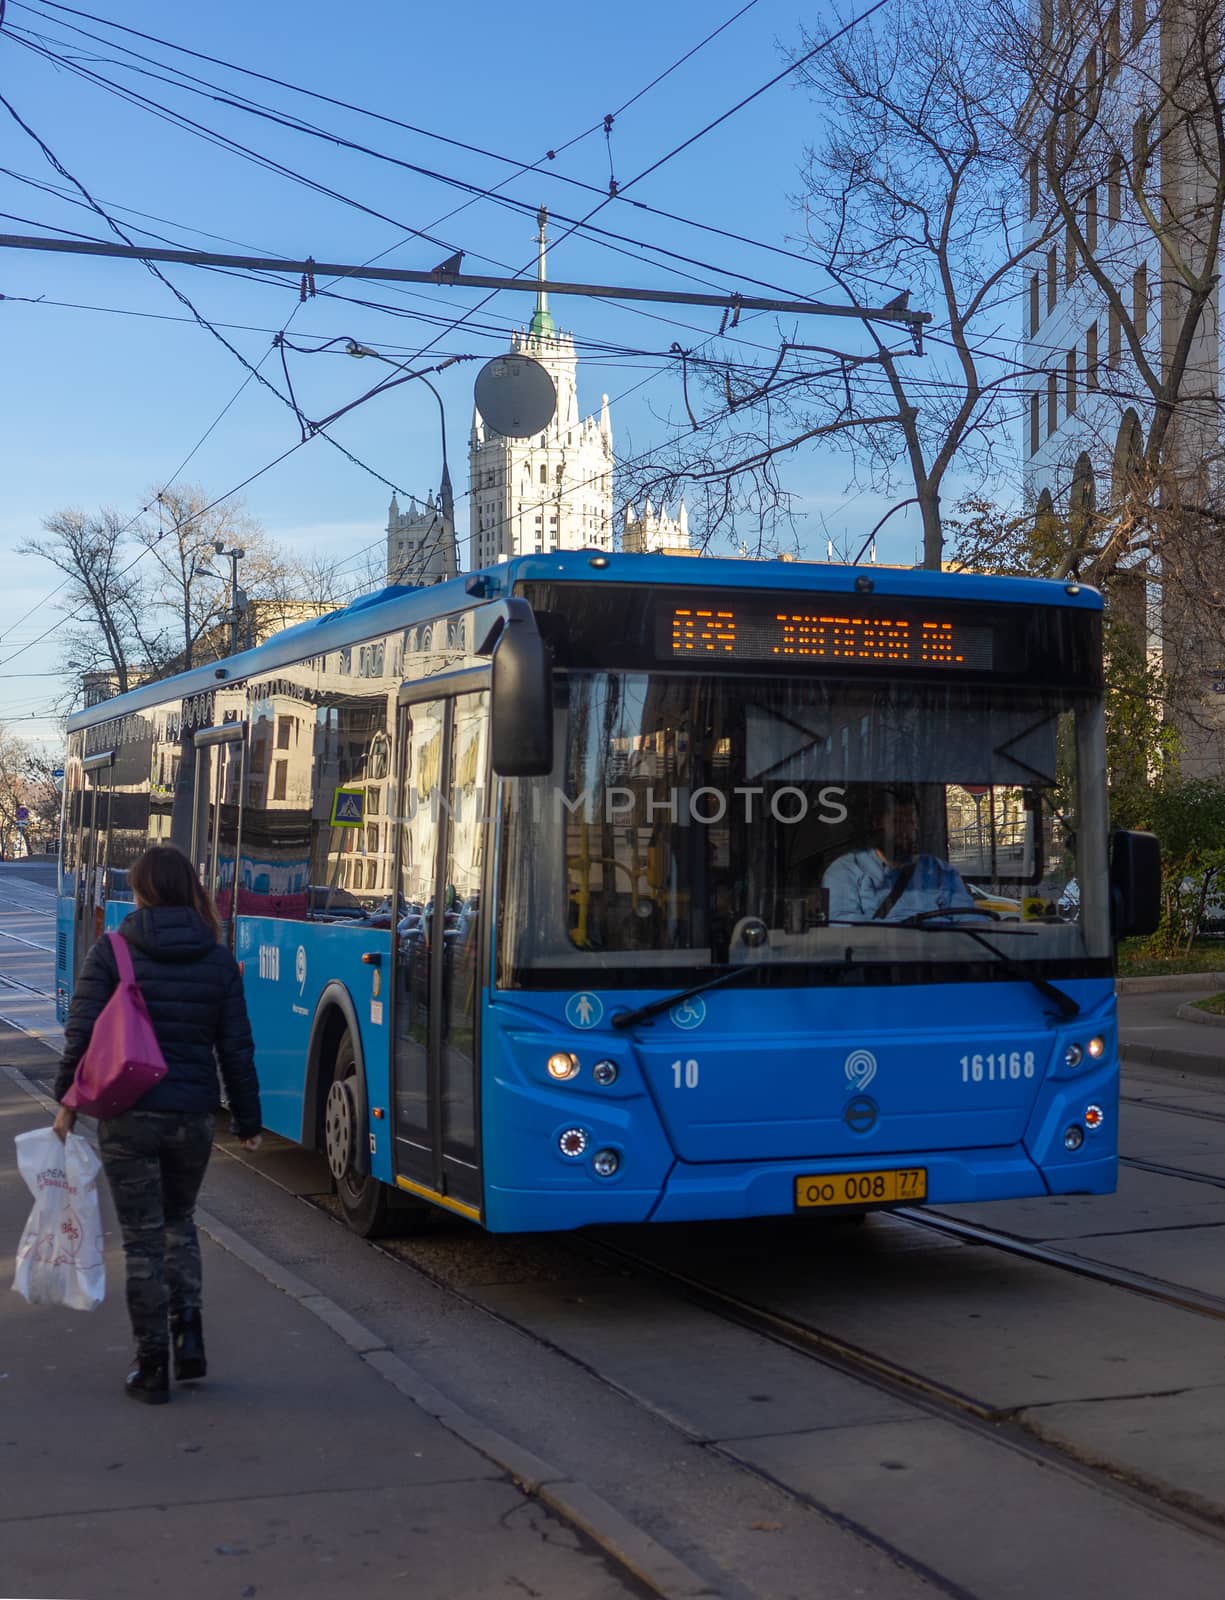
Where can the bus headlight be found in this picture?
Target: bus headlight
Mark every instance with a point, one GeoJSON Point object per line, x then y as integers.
{"type": "Point", "coordinates": [1073, 1137]}
{"type": "Point", "coordinates": [1073, 1055]}
{"type": "Point", "coordinates": [562, 1064]}
{"type": "Point", "coordinates": [605, 1162]}
{"type": "Point", "coordinates": [604, 1073]}
{"type": "Point", "coordinates": [1094, 1117]}
{"type": "Point", "coordinates": [572, 1142]}
{"type": "Point", "coordinates": [1097, 1047]}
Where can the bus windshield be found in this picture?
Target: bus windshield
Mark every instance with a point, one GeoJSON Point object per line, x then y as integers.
{"type": "Point", "coordinates": [696, 821]}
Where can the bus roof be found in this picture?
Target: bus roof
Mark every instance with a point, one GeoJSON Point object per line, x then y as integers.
{"type": "Point", "coordinates": [402, 606]}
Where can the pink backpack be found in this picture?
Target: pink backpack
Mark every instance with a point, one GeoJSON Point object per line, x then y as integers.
{"type": "Point", "coordinates": [123, 1059]}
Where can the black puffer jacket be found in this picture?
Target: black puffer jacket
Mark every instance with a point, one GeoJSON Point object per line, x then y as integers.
{"type": "Point", "coordinates": [193, 990]}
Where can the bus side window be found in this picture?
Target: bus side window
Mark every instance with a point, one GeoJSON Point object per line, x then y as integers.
{"type": "Point", "coordinates": [273, 872]}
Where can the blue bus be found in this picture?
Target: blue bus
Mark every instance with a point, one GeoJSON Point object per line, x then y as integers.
{"type": "Point", "coordinates": [592, 889]}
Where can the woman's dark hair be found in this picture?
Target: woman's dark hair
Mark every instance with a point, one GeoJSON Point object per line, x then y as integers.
{"type": "Point", "coordinates": [164, 876]}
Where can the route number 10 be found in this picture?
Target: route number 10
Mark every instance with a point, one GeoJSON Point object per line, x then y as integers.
{"type": "Point", "coordinates": [685, 1074]}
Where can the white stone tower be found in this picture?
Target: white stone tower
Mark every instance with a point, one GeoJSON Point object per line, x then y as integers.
{"type": "Point", "coordinates": [554, 490]}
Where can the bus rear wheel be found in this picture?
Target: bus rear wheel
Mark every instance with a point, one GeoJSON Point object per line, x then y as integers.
{"type": "Point", "coordinates": [362, 1198]}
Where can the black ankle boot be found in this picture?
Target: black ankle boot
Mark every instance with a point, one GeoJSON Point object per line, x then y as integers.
{"type": "Point", "coordinates": [187, 1336]}
{"type": "Point", "coordinates": [149, 1380]}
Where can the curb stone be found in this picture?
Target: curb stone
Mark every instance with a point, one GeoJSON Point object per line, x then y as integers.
{"type": "Point", "coordinates": [1198, 1063]}
{"type": "Point", "coordinates": [1192, 1013]}
{"type": "Point", "coordinates": [1176, 980]}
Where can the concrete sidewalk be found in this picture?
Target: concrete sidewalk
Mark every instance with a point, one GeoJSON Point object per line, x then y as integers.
{"type": "Point", "coordinates": [295, 1469]}
{"type": "Point", "coordinates": [1152, 1034]}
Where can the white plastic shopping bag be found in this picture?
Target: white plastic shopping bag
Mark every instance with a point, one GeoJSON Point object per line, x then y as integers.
{"type": "Point", "coordinates": [60, 1257]}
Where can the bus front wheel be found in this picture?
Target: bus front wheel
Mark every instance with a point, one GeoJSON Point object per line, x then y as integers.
{"type": "Point", "coordinates": [362, 1198]}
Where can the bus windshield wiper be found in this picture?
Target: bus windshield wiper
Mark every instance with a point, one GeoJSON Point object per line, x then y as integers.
{"type": "Point", "coordinates": [626, 1019]}
{"type": "Point", "coordinates": [926, 920]}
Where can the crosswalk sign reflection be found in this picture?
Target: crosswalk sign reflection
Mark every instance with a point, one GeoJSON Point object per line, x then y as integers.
{"type": "Point", "coordinates": [348, 808]}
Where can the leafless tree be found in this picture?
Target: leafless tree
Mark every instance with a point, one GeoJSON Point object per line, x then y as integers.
{"type": "Point", "coordinates": [910, 191]}
{"type": "Point", "coordinates": [150, 595]}
{"type": "Point", "coordinates": [102, 594]}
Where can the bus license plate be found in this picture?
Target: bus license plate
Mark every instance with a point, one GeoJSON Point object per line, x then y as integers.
{"type": "Point", "coordinates": [861, 1188]}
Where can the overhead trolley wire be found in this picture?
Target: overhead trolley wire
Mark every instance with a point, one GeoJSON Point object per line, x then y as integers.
{"type": "Point", "coordinates": [186, 81]}
{"type": "Point", "coordinates": [247, 153]}
{"type": "Point", "coordinates": [457, 322]}
{"type": "Point", "coordinates": [378, 116]}
{"type": "Point", "coordinates": [251, 372]}
{"type": "Point", "coordinates": [609, 239]}
{"type": "Point", "coordinates": [180, 119]}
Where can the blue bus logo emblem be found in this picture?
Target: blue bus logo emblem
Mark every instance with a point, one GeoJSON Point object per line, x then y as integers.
{"type": "Point", "coordinates": [584, 1010]}
{"type": "Point", "coordinates": [689, 1013]}
{"type": "Point", "coordinates": [860, 1069]}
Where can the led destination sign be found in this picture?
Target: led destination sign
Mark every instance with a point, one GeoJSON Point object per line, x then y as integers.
{"type": "Point", "coordinates": [835, 631]}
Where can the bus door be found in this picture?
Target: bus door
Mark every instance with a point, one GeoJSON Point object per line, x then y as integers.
{"type": "Point", "coordinates": [444, 825]}
{"type": "Point", "coordinates": [216, 824]}
{"type": "Point", "coordinates": [93, 861]}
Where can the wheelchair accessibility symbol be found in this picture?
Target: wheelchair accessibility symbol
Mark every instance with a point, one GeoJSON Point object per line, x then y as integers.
{"type": "Point", "coordinates": [689, 1013]}
{"type": "Point", "coordinates": [584, 1010]}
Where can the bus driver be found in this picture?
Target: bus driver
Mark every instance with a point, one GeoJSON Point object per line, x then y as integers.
{"type": "Point", "coordinates": [888, 881]}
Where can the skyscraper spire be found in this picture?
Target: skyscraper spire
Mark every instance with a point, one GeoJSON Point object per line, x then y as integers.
{"type": "Point", "coordinates": [542, 325]}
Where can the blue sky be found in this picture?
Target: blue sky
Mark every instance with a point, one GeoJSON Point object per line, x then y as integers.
{"type": "Point", "coordinates": [101, 408]}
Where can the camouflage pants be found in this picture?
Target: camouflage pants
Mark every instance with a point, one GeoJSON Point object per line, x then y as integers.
{"type": "Point", "coordinates": [154, 1162]}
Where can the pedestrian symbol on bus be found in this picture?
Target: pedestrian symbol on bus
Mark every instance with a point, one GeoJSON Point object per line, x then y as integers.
{"type": "Point", "coordinates": [584, 1010]}
{"type": "Point", "coordinates": [348, 808]}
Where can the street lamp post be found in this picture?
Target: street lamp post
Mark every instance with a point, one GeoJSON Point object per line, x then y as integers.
{"type": "Point", "coordinates": [236, 594]}
{"type": "Point", "coordinates": [445, 494]}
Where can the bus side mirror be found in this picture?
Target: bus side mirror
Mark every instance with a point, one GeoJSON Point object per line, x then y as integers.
{"type": "Point", "coordinates": [521, 715]}
{"type": "Point", "coordinates": [1135, 883]}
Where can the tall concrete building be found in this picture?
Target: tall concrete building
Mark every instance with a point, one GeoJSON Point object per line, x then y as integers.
{"type": "Point", "coordinates": [421, 540]}
{"type": "Point", "coordinates": [554, 490]}
{"type": "Point", "coordinates": [652, 532]}
{"type": "Point", "coordinates": [1106, 139]}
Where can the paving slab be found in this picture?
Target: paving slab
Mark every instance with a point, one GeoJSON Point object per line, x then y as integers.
{"type": "Point", "coordinates": [1141, 1083]}
{"type": "Point", "coordinates": [734, 1381]}
{"type": "Point", "coordinates": [992, 1521]}
{"type": "Point", "coordinates": [1171, 1439]}
{"type": "Point", "coordinates": [1144, 1200]}
{"type": "Point", "coordinates": [1193, 1258]}
{"type": "Point", "coordinates": [1175, 1140]}
{"type": "Point", "coordinates": [379, 1542]}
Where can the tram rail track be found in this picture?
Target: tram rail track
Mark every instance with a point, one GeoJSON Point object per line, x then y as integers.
{"type": "Point", "coordinates": [1003, 1426]}
{"type": "Point", "coordinates": [1159, 1289]}
{"type": "Point", "coordinates": [27, 988]}
{"type": "Point", "coordinates": [1162, 1170]}
{"type": "Point", "coordinates": [1173, 1109]}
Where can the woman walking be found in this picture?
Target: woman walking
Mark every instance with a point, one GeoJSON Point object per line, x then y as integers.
{"type": "Point", "coordinates": [154, 1154]}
